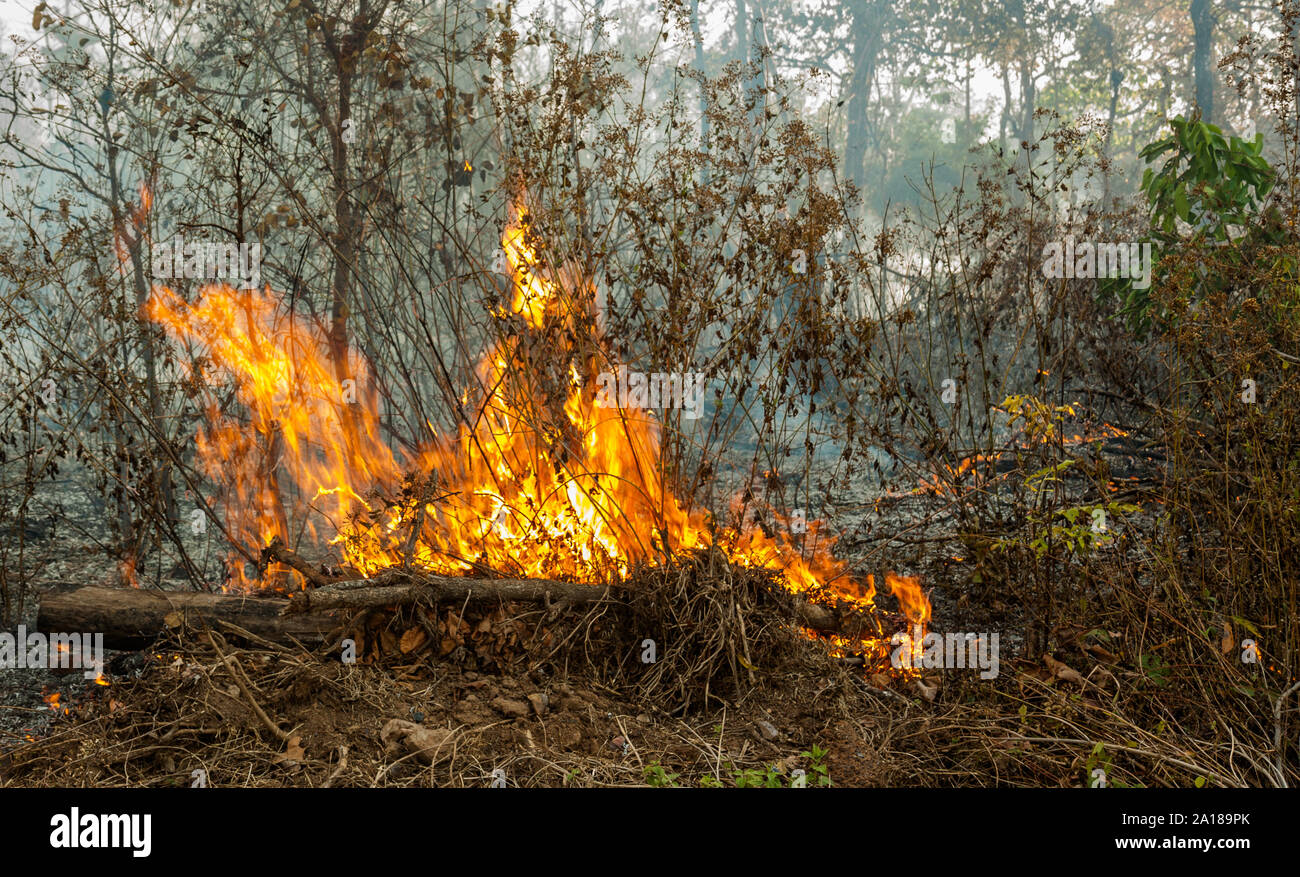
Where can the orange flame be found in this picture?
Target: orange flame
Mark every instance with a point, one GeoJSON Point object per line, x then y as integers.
{"type": "Point", "coordinates": [948, 480]}
{"type": "Point", "coordinates": [124, 240]}
{"type": "Point", "coordinates": [126, 569]}
{"type": "Point", "coordinates": [541, 481]}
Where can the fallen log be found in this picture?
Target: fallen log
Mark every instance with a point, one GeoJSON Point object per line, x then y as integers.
{"type": "Point", "coordinates": [397, 587]}
{"type": "Point", "coordinates": [131, 618]}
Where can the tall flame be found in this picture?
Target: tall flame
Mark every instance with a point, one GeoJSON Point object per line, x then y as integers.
{"type": "Point", "coordinates": [540, 481]}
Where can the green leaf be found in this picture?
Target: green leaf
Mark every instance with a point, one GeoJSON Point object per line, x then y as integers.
{"type": "Point", "coordinates": [1246, 624]}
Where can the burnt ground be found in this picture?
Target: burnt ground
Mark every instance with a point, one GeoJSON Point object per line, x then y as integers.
{"type": "Point", "coordinates": [449, 701]}
{"type": "Point", "coordinates": [539, 698]}
{"type": "Point", "coordinates": [509, 694]}
{"type": "Point", "coordinates": [514, 696]}
{"type": "Point", "coordinates": [184, 715]}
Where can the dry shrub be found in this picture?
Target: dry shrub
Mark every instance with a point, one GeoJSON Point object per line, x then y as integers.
{"type": "Point", "coordinates": [719, 631]}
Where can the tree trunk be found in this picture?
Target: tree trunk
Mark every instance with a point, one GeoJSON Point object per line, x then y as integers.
{"type": "Point", "coordinates": [698, 39]}
{"type": "Point", "coordinates": [1028, 98]}
{"type": "Point", "coordinates": [742, 31]}
{"type": "Point", "coordinates": [132, 234]}
{"type": "Point", "coordinates": [1005, 118]}
{"type": "Point", "coordinates": [347, 225]}
{"type": "Point", "coordinates": [866, 35]}
{"type": "Point", "coordinates": [1202, 57]}
{"type": "Point", "coordinates": [1295, 48]}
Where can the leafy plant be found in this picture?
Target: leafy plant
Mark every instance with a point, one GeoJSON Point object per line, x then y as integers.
{"type": "Point", "coordinates": [1215, 186]}
{"type": "Point", "coordinates": [1099, 759]}
{"type": "Point", "coordinates": [656, 776]}
{"type": "Point", "coordinates": [1156, 670]}
{"type": "Point", "coordinates": [819, 768]}
{"type": "Point", "coordinates": [758, 778]}
{"type": "Point", "coordinates": [1212, 183]}
{"type": "Point", "coordinates": [1085, 527]}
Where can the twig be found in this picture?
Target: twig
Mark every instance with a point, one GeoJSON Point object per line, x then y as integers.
{"type": "Point", "coordinates": [251, 637]}
{"type": "Point", "coordinates": [238, 674]}
{"type": "Point", "coordinates": [281, 553]}
{"type": "Point", "coordinates": [342, 766]}
{"type": "Point", "coordinates": [1277, 732]}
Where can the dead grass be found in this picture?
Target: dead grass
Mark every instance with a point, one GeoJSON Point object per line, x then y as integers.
{"type": "Point", "coordinates": [554, 697]}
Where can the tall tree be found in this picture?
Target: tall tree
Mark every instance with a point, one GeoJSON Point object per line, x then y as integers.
{"type": "Point", "coordinates": [1203, 20]}
{"type": "Point", "coordinates": [867, 27]}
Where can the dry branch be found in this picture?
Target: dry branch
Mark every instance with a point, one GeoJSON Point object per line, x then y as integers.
{"type": "Point", "coordinates": [278, 552]}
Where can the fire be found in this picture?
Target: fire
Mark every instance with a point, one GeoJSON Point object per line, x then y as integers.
{"type": "Point", "coordinates": [124, 240]}
{"type": "Point", "coordinates": [126, 568]}
{"type": "Point", "coordinates": [976, 468]}
{"type": "Point", "coordinates": [937, 483]}
{"type": "Point", "coordinates": [538, 481]}
{"type": "Point", "coordinates": [911, 599]}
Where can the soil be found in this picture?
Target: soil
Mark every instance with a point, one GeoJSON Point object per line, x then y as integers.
{"type": "Point", "coordinates": [185, 713]}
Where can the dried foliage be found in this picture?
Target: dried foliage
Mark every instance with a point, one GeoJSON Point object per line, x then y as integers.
{"type": "Point", "coordinates": [832, 342]}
